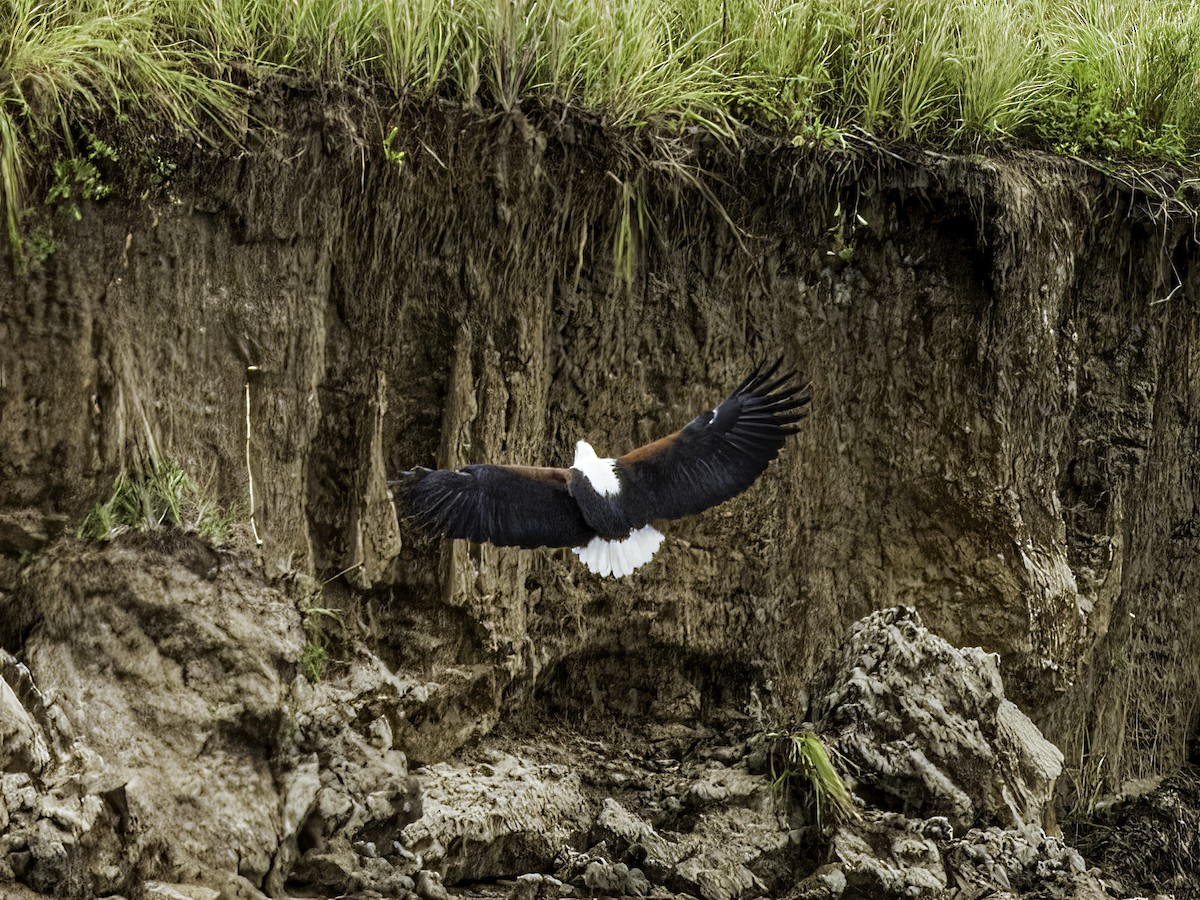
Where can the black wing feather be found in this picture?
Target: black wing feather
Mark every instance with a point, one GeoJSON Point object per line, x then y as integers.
{"type": "Point", "coordinates": [715, 456]}
{"type": "Point", "coordinates": [511, 506]}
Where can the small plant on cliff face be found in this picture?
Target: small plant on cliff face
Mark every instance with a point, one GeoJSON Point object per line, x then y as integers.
{"type": "Point", "coordinates": [77, 178]}
{"type": "Point", "coordinates": [165, 497]}
{"type": "Point", "coordinates": [842, 233]}
{"type": "Point", "coordinates": [326, 636]}
{"type": "Point", "coordinates": [632, 226]}
{"type": "Point", "coordinates": [390, 153]}
{"type": "Point", "coordinates": [319, 638]}
{"type": "Point", "coordinates": [818, 134]}
{"type": "Point", "coordinates": [314, 658]}
{"type": "Point", "coordinates": [806, 760]}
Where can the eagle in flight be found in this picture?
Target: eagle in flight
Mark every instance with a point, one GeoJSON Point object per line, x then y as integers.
{"type": "Point", "coordinates": [602, 507]}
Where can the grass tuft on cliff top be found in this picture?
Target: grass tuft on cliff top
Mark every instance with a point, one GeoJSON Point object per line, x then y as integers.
{"type": "Point", "coordinates": [1085, 77]}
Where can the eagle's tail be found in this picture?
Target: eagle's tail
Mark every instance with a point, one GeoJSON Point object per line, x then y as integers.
{"type": "Point", "coordinates": [620, 558]}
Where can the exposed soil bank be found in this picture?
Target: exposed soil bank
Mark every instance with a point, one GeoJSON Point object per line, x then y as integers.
{"type": "Point", "coordinates": [1004, 354]}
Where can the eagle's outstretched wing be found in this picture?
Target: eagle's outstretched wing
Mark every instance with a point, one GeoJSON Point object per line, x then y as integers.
{"type": "Point", "coordinates": [718, 454]}
{"type": "Point", "coordinates": [512, 506]}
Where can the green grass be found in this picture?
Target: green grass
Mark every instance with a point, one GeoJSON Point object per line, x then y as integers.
{"type": "Point", "coordinates": [809, 763]}
{"type": "Point", "coordinates": [315, 656]}
{"type": "Point", "coordinates": [64, 63]}
{"type": "Point", "coordinates": [1091, 77]}
{"type": "Point", "coordinates": [325, 631]}
{"type": "Point", "coordinates": [164, 497]}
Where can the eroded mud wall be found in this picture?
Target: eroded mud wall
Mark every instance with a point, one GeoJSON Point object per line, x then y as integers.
{"type": "Point", "coordinates": [1004, 359]}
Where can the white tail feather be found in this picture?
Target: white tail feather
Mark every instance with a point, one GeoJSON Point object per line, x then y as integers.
{"type": "Point", "coordinates": [620, 558]}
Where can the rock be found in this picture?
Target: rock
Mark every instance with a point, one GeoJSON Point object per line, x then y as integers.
{"type": "Point", "coordinates": [725, 786]}
{"type": "Point", "coordinates": [24, 741]}
{"type": "Point", "coordinates": [22, 746]}
{"type": "Point", "coordinates": [927, 730]}
{"type": "Point", "coordinates": [536, 887]}
{"type": "Point", "coordinates": [719, 859]}
{"type": "Point", "coordinates": [26, 531]}
{"type": "Point", "coordinates": [242, 777]}
{"type": "Point", "coordinates": [362, 794]}
{"type": "Point", "coordinates": [168, 665]}
{"type": "Point", "coordinates": [827, 883]}
{"type": "Point", "coordinates": [502, 817]}
{"type": "Point", "coordinates": [623, 831]}
{"type": "Point", "coordinates": [601, 876]}
{"type": "Point", "coordinates": [1020, 860]}
{"type": "Point", "coordinates": [13, 891]}
{"type": "Point", "coordinates": [885, 856]}
{"type": "Point", "coordinates": [237, 887]}
{"type": "Point", "coordinates": [60, 805]}
{"type": "Point", "coordinates": [429, 886]}
{"type": "Point", "coordinates": [726, 755]}
{"type": "Point", "coordinates": [159, 890]}
{"type": "Point", "coordinates": [301, 782]}
{"type": "Point", "coordinates": [929, 736]}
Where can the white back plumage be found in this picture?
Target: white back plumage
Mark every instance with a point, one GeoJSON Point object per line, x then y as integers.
{"type": "Point", "coordinates": [600, 471]}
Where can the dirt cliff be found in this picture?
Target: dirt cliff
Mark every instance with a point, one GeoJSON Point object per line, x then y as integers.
{"type": "Point", "coordinates": [1004, 354]}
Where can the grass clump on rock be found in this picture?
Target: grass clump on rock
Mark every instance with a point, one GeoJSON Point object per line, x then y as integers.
{"type": "Point", "coordinates": [809, 764]}
{"type": "Point", "coordinates": [162, 497]}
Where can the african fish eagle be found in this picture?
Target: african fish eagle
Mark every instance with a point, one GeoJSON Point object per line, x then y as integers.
{"type": "Point", "coordinates": [601, 507]}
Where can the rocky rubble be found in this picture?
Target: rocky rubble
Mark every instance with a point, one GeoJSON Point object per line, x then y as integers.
{"type": "Point", "coordinates": [928, 729]}
{"type": "Point", "coordinates": [958, 783]}
{"type": "Point", "coordinates": [159, 741]}
{"type": "Point", "coordinates": [63, 811]}
{"type": "Point", "coordinates": [347, 794]}
{"type": "Point", "coordinates": [162, 734]}
{"type": "Point", "coordinates": [954, 793]}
